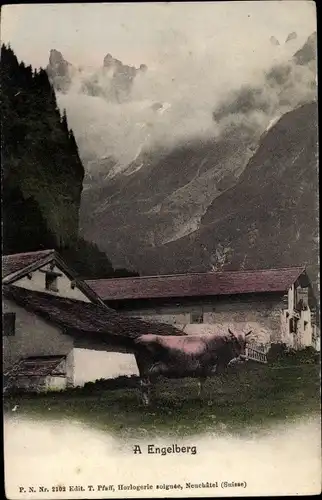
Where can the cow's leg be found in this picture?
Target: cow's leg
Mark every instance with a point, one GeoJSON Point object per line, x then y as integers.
{"type": "Point", "coordinates": [201, 384]}
{"type": "Point", "coordinates": [199, 388]}
{"type": "Point", "coordinates": [145, 385]}
{"type": "Point", "coordinates": [221, 371]}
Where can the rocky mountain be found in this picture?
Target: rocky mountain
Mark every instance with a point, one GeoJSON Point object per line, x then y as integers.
{"type": "Point", "coordinates": [269, 218]}
{"type": "Point", "coordinates": [291, 36]}
{"type": "Point", "coordinates": [157, 215]}
{"type": "Point", "coordinates": [149, 209]}
{"type": "Point", "coordinates": [60, 71]}
{"type": "Point", "coordinates": [307, 54]}
{"type": "Point", "coordinates": [233, 196]}
{"type": "Point", "coordinates": [112, 81]}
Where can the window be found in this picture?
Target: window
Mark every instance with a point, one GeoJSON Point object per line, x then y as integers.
{"type": "Point", "coordinates": [51, 282]}
{"type": "Point", "coordinates": [305, 325]}
{"type": "Point", "coordinates": [9, 324]}
{"type": "Point", "coordinates": [196, 318]}
{"type": "Point", "coordinates": [293, 325]}
{"type": "Point", "coordinates": [301, 299]}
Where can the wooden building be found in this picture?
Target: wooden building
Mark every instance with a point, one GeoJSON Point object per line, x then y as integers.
{"type": "Point", "coordinates": [278, 305]}
{"type": "Point", "coordinates": [48, 314]}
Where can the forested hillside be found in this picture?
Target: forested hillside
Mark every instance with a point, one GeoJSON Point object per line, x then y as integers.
{"type": "Point", "coordinates": [42, 174]}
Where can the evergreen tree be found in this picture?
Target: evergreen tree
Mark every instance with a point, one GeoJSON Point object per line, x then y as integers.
{"type": "Point", "coordinates": [42, 174]}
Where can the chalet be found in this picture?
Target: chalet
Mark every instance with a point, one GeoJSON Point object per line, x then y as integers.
{"type": "Point", "coordinates": [49, 314]}
{"type": "Point", "coordinates": [46, 272]}
{"type": "Point", "coordinates": [278, 305]}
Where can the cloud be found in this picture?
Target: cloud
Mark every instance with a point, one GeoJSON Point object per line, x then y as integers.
{"type": "Point", "coordinates": [182, 99]}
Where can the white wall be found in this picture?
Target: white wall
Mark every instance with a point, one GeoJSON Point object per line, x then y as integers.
{"type": "Point", "coordinates": [305, 329]}
{"type": "Point", "coordinates": [36, 337]}
{"type": "Point", "coordinates": [33, 337]}
{"type": "Point", "coordinates": [55, 383]}
{"type": "Point", "coordinates": [291, 296]}
{"type": "Point", "coordinates": [91, 365]}
{"type": "Point", "coordinates": [37, 283]}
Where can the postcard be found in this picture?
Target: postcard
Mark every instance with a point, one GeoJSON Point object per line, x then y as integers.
{"type": "Point", "coordinates": [160, 257]}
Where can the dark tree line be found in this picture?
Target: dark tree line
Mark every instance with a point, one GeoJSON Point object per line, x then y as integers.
{"type": "Point", "coordinates": [42, 174]}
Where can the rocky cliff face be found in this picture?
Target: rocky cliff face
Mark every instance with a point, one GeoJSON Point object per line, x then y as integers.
{"type": "Point", "coordinates": [146, 209]}
{"type": "Point", "coordinates": [112, 81]}
{"type": "Point", "coordinates": [60, 71]}
{"type": "Point", "coordinates": [307, 54]}
{"type": "Point", "coordinates": [205, 200]}
{"type": "Point", "coordinates": [269, 218]}
{"type": "Point", "coordinates": [159, 212]}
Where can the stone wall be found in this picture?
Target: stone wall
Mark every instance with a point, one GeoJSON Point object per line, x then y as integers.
{"type": "Point", "coordinates": [261, 314]}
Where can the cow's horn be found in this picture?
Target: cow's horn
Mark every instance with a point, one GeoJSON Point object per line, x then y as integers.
{"type": "Point", "coordinates": [248, 333]}
{"type": "Point", "coordinates": [231, 333]}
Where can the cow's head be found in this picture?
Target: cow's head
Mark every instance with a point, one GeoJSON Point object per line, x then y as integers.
{"type": "Point", "coordinates": [239, 344]}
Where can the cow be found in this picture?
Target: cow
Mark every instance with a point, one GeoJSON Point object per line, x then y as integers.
{"type": "Point", "coordinates": [197, 356]}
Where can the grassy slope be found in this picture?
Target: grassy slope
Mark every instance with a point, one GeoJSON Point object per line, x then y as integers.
{"type": "Point", "coordinates": [248, 400]}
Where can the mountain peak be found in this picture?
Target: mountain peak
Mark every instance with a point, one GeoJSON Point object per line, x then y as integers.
{"type": "Point", "coordinates": [59, 70]}
{"type": "Point", "coordinates": [291, 36]}
{"type": "Point", "coordinates": [111, 62]}
{"type": "Point", "coordinates": [307, 53]}
{"type": "Point", "coordinates": [56, 57]}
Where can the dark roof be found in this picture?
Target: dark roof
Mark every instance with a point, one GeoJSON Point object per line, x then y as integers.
{"type": "Point", "coordinates": [40, 366]}
{"type": "Point", "coordinates": [16, 266]}
{"type": "Point", "coordinates": [78, 316]}
{"type": "Point", "coordinates": [197, 284]}
{"type": "Point", "coordinates": [15, 262]}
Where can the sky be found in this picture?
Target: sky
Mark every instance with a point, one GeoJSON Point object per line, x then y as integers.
{"type": "Point", "coordinates": [196, 54]}
{"type": "Point", "coordinates": [152, 33]}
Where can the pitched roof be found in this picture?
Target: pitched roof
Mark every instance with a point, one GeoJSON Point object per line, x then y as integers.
{"type": "Point", "coordinates": [85, 317]}
{"type": "Point", "coordinates": [16, 262]}
{"type": "Point", "coordinates": [38, 366]}
{"type": "Point", "coordinates": [16, 266]}
{"type": "Point", "coordinates": [197, 284]}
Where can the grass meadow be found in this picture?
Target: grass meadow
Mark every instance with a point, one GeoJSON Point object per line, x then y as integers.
{"type": "Point", "coordinates": [252, 398]}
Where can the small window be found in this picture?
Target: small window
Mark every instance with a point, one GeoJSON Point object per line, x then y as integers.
{"type": "Point", "coordinates": [293, 325]}
{"type": "Point", "coordinates": [51, 282]}
{"type": "Point", "coordinates": [305, 325]}
{"type": "Point", "coordinates": [197, 318]}
{"type": "Point", "coordinates": [9, 324]}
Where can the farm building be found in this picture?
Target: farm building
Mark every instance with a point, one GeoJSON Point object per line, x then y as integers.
{"type": "Point", "coordinates": [49, 314]}
{"type": "Point", "coordinates": [278, 305]}
{"type": "Point", "coordinates": [44, 271]}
